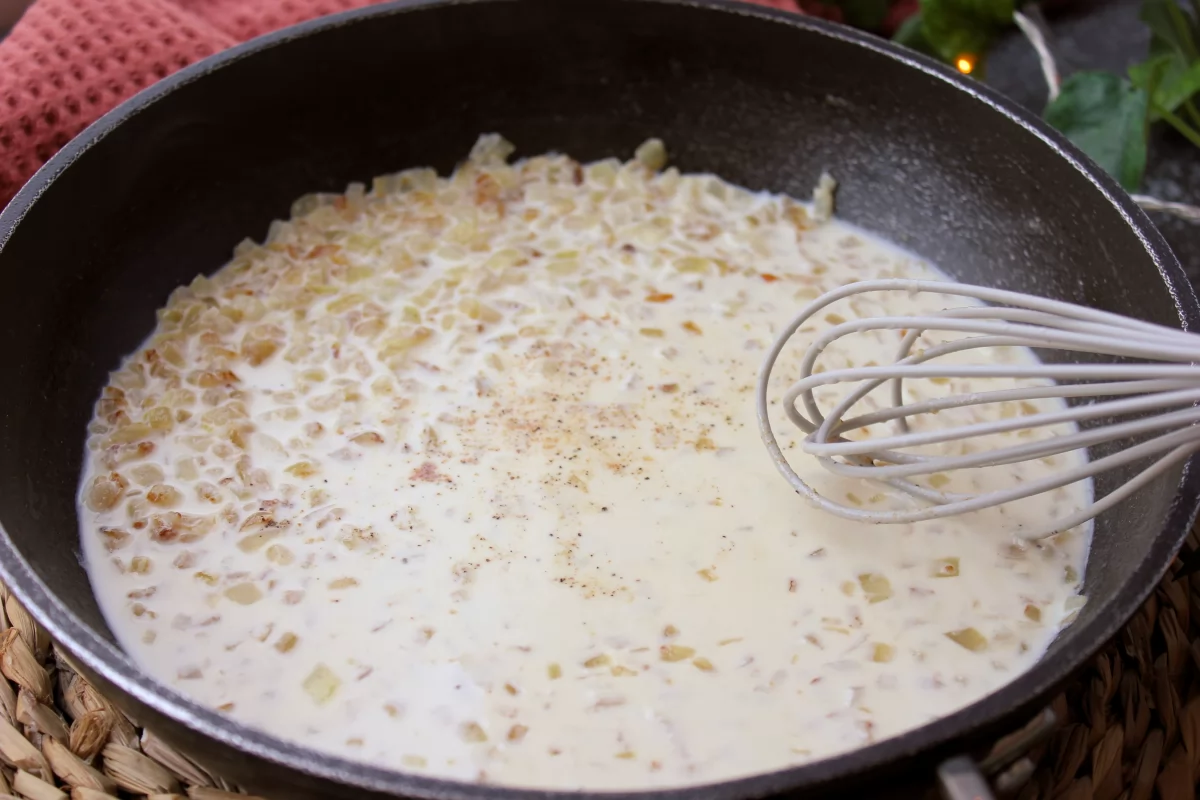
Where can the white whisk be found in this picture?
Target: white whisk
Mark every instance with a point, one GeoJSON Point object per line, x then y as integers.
{"type": "Point", "coordinates": [1160, 397]}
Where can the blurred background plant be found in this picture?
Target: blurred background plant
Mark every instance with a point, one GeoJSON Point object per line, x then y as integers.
{"type": "Point", "coordinates": [1109, 115]}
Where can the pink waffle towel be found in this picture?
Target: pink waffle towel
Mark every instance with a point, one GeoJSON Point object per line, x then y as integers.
{"type": "Point", "coordinates": [67, 62]}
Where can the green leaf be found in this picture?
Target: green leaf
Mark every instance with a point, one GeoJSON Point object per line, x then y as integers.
{"type": "Point", "coordinates": [964, 27]}
{"type": "Point", "coordinates": [1175, 80]}
{"type": "Point", "coordinates": [996, 12]}
{"type": "Point", "coordinates": [868, 14]}
{"type": "Point", "coordinates": [1105, 116]}
{"type": "Point", "coordinates": [911, 34]}
{"type": "Point", "coordinates": [1156, 68]}
{"type": "Point", "coordinates": [1172, 29]}
{"type": "Point", "coordinates": [1190, 133]}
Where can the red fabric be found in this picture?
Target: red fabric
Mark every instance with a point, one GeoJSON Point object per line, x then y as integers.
{"type": "Point", "coordinates": [898, 14]}
{"type": "Point", "coordinates": [67, 62]}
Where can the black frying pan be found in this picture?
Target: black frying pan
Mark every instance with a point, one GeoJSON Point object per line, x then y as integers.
{"type": "Point", "coordinates": [163, 187]}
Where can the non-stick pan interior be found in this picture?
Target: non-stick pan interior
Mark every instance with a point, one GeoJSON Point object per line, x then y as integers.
{"type": "Point", "coordinates": [164, 189]}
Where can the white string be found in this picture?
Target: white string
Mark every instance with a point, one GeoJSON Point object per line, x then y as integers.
{"type": "Point", "coordinates": [1033, 32]}
{"type": "Point", "coordinates": [1181, 210]}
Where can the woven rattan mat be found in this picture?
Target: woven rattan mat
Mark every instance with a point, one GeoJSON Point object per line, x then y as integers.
{"type": "Point", "coordinates": [1129, 723]}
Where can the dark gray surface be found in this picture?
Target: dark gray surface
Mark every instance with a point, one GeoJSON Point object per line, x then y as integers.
{"type": "Point", "coordinates": [1108, 35]}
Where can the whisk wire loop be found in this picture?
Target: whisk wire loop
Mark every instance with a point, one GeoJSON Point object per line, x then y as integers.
{"type": "Point", "coordinates": [1162, 394]}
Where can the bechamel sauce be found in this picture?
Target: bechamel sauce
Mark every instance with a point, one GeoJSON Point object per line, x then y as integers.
{"type": "Point", "coordinates": [461, 476]}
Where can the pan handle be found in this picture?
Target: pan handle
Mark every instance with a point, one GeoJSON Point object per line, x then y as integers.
{"type": "Point", "coordinates": [1005, 769]}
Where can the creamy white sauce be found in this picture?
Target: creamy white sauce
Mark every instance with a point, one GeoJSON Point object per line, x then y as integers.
{"type": "Point", "coordinates": [471, 486]}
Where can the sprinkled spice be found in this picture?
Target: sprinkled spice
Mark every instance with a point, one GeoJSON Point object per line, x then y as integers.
{"type": "Point", "coordinates": [446, 468]}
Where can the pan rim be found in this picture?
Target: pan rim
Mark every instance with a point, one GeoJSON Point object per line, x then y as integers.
{"type": "Point", "coordinates": [105, 660]}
